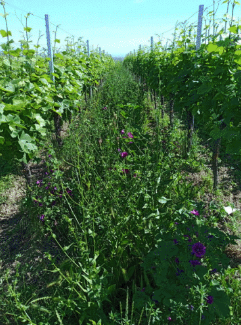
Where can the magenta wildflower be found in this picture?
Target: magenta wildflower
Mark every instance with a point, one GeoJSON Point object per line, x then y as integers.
{"type": "Point", "coordinates": [122, 131]}
{"type": "Point", "coordinates": [124, 154]}
{"type": "Point", "coordinates": [130, 135]}
{"type": "Point", "coordinates": [119, 149]}
{"type": "Point", "coordinates": [195, 212]}
{"type": "Point", "coordinates": [68, 191]}
{"type": "Point", "coordinates": [42, 217]}
{"type": "Point", "coordinates": [39, 182]}
{"type": "Point", "coordinates": [126, 171]}
{"type": "Point", "coordinates": [169, 318]}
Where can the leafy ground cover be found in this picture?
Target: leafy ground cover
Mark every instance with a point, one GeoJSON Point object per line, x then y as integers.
{"type": "Point", "coordinates": [117, 227]}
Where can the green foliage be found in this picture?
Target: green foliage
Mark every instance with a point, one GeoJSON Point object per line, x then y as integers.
{"type": "Point", "coordinates": [114, 199]}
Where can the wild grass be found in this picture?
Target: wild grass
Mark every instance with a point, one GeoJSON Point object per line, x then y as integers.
{"type": "Point", "coordinates": [113, 193]}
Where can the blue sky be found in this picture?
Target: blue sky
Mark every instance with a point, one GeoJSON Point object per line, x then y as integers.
{"type": "Point", "coordinates": [118, 27]}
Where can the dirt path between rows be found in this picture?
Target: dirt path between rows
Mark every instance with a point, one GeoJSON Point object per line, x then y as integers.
{"type": "Point", "coordinates": [15, 238]}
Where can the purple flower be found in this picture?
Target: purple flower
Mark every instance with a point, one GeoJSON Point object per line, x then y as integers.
{"type": "Point", "coordinates": [198, 249]}
{"type": "Point", "coordinates": [124, 154]}
{"type": "Point", "coordinates": [119, 149]}
{"type": "Point", "coordinates": [195, 212]}
{"type": "Point", "coordinates": [104, 107]}
{"type": "Point", "coordinates": [175, 241]}
{"type": "Point", "coordinates": [194, 262]}
{"type": "Point", "coordinates": [122, 131]}
{"type": "Point", "coordinates": [169, 318]}
{"type": "Point", "coordinates": [46, 173]}
{"type": "Point", "coordinates": [126, 171]}
{"type": "Point", "coordinates": [210, 299]}
{"type": "Point", "coordinates": [50, 156]}
{"type": "Point", "coordinates": [188, 237]}
{"type": "Point", "coordinates": [177, 260]}
{"type": "Point", "coordinates": [40, 204]}
{"type": "Point", "coordinates": [130, 135]}
{"type": "Point", "coordinates": [68, 191]}
{"type": "Point", "coordinates": [39, 182]}
{"type": "Point", "coordinates": [42, 217]}
{"type": "Point", "coordinates": [179, 272]}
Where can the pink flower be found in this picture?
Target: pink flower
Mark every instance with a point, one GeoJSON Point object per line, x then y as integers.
{"type": "Point", "coordinates": [195, 212]}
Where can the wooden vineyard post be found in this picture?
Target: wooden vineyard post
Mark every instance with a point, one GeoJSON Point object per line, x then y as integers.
{"type": "Point", "coordinates": [162, 104]}
{"type": "Point", "coordinates": [155, 98]}
{"type": "Point", "coordinates": [216, 149]}
{"type": "Point", "coordinates": [171, 114]}
{"type": "Point", "coordinates": [190, 131]}
{"type": "Point", "coordinates": [27, 173]}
